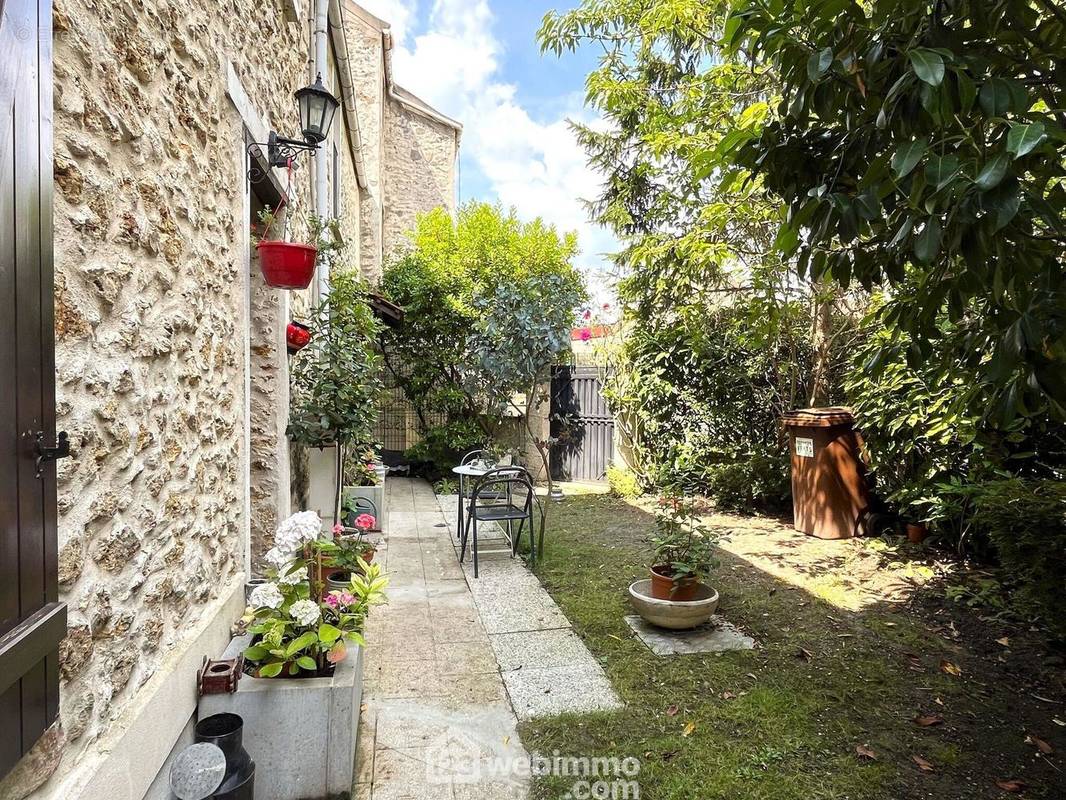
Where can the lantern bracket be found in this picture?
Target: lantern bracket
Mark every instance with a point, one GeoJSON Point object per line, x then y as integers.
{"type": "Point", "coordinates": [280, 152]}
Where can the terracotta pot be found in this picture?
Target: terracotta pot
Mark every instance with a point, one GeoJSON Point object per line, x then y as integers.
{"type": "Point", "coordinates": [916, 532]}
{"type": "Point", "coordinates": [287, 265]}
{"type": "Point", "coordinates": [663, 586]}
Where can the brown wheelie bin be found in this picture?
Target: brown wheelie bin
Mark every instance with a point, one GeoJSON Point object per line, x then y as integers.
{"type": "Point", "coordinates": [829, 494]}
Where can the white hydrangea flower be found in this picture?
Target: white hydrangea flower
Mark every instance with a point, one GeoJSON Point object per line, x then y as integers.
{"type": "Point", "coordinates": [294, 577]}
{"type": "Point", "coordinates": [278, 558]}
{"type": "Point", "coordinates": [296, 531]}
{"type": "Point", "coordinates": [305, 612]}
{"type": "Point", "coordinates": [267, 595]}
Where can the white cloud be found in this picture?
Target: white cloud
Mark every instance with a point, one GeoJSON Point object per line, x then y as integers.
{"type": "Point", "coordinates": [537, 167]}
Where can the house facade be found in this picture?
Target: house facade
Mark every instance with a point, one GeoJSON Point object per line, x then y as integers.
{"type": "Point", "coordinates": [171, 372]}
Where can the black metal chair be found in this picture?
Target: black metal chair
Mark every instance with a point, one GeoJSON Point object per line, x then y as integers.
{"type": "Point", "coordinates": [507, 496]}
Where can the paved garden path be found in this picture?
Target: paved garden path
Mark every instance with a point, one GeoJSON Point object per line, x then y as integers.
{"type": "Point", "coordinates": [447, 667]}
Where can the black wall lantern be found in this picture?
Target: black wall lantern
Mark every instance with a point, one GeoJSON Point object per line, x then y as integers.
{"type": "Point", "coordinates": [317, 108]}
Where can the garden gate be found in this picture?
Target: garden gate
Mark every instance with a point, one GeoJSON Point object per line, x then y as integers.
{"type": "Point", "coordinates": [582, 424]}
{"type": "Point", "coordinates": [32, 620]}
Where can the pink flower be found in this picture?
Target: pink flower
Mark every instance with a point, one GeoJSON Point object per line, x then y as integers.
{"type": "Point", "coordinates": [338, 529]}
{"type": "Point", "coordinates": [588, 315]}
{"type": "Point", "coordinates": [606, 306]}
{"type": "Point", "coordinates": [365, 522]}
{"type": "Point", "coordinates": [332, 599]}
{"type": "Point", "coordinates": [347, 598]}
{"type": "Point", "coordinates": [586, 334]}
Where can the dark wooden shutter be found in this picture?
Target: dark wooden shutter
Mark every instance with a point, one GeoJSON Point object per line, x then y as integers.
{"type": "Point", "coordinates": [32, 621]}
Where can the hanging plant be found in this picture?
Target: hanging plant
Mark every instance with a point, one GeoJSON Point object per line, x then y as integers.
{"type": "Point", "coordinates": [285, 265]}
{"type": "Point", "coordinates": [297, 337]}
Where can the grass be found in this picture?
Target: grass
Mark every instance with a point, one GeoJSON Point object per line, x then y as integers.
{"type": "Point", "coordinates": [778, 723]}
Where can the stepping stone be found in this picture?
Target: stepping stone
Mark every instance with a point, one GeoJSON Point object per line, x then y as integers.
{"type": "Point", "coordinates": [715, 636]}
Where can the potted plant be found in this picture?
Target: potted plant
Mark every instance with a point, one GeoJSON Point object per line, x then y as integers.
{"type": "Point", "coordinates": [297, 628]}
{"type": "Point", "coordinates": [364, 487]}
{"type": "Point", "coordinates": [684, 549]}
{"type": "Point", "coordinates": [285, 265]}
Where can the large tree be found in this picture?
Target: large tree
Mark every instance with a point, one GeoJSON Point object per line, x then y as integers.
{"type": "Point", "coordinates": [700, 274]}
{"type": "Point", "coordinates": [919, 145]}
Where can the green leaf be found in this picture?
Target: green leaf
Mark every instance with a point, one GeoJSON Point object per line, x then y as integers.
{"type": "Point", "coordinates": [818, 64]}
{"type": "Point", "coordinates": [928, 65]}
{"type": "Point", "coordinates": [307, 663]}
{"type": "Point", "coordinates": [927, 243]}
{"type": "Point", "coordinates": [271, 670]}
{"type": "Point", "coordinates": [256, 653]}
{"type": "Point", "coordinates": [1023, 138]}
{"type": "Point", "coordinates": [907, 156]}
{"type": "Point", "coordinates": [992, 172]}
{"type": "Point", "coordinates": [300, 642]}
{"type": "Point", "coordinates": [995, 97]}
{"type": "Point", "coordinates": [941, 170]}
{"type": "Point", "coordinates": [328, 633]}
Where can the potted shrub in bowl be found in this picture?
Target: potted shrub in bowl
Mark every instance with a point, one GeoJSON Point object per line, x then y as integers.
{"type": "Point", "coordinates": [684, 549]}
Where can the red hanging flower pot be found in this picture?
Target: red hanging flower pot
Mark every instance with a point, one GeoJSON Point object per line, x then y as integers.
{"type": "Point", "coordinates": [297, 336]}
{"type": "Point", "coordinates": [287, 265]}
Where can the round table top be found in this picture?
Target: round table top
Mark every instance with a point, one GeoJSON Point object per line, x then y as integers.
{"type": "Point", "coordinates": [474, 470]}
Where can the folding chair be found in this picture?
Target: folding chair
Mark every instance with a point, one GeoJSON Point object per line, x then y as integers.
{"type": "Point", "coordinates": [504, 494]}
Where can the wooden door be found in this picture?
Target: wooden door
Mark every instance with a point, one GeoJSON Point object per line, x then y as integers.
{"type": "Point", "coordinates": [32, 621]}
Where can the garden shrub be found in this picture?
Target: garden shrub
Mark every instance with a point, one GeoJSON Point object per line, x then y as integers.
{"type": "Point", "coordinates": [1026, 524]}
{"type": "Point", "coordinates": [623, 482]}
{"type": "Point", "coordinates": [699, 391]}
{"type": "Point", "coordinates": [489, 300]}
{"type": "Point", "coordinates": [930, 452]}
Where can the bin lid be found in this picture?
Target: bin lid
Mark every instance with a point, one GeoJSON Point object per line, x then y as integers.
{"type": "Point", "coordinates": [818, 417]}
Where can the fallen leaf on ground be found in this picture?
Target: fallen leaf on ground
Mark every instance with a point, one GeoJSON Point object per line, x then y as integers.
{"type": "Point", "coordinates": [671, 711]}
{"type": "Point", "coordinates": [689, 729]}
{"type": "Point", "coordinates": [728, 696]}
{"type": "Point", "coordinates": [925, 720]}
{"type": "Point", "coordinates": [949, 668]}
{"type": "Point", "coordinates": [804, 654]}
{"type": "Point", "coordinates": [1060, 722]}
{"type": "Point", "coordinates": [938, 701]}
{"type": "Point", "coordinates": [1005, 641]}
{"type": "Point", "coordinates": [865, 752]}
{"type": "Point", "coordinates": [923, 765]}
{"type": "Point", "coordinates": [1012, 786]}
{"type": "Point", "coordinates": [1041, 745]}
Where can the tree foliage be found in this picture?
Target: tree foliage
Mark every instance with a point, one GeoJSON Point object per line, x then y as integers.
{"type": "Point", "coordinates": [335, 380]}
{"type": "Point", "coordinates": [489, 303]}
{"type": "Point", "coordinates": [718, 324]}
{"type": "Point", "coordinates": [920, 144]}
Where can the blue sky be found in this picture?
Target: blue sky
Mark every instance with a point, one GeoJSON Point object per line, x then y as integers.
{"type": "Point", "coordinates": [478, 61]}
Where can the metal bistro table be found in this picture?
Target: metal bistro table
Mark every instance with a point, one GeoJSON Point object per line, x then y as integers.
{"type": "Point", "coordinates": [465, 472]}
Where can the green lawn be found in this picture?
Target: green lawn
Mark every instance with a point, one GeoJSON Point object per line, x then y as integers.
{"type": "Point", "coordinates": [784, 720]}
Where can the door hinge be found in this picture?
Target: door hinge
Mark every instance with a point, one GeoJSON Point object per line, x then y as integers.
{"type": "Point", "coordinates": [61, 449]}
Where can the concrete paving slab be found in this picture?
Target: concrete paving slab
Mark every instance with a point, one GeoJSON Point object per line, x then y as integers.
{"type": "Point", "coordinates": [465, 658]}
{"type": "Point", "coordinates": [716, 636]}
{"type": "Point", "coordinates": [533, 649]}
{"type": "Point", "coordinates": [521, 611]}
{"type": "Point", "coordinates": [557, 690]}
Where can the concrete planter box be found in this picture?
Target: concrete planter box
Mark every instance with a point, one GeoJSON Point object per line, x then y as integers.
{"type": "Point", "coordinates": [301, 732]}
{"type": "Point", "coordinates": [375, 494]}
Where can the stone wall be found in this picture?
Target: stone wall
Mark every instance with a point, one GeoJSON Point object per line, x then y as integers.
{"type": "Point", "coordinates": [420, 157]}
{"type": "Point", "coordinates": [171, 373]}
{"type": "Point", "coordinates": [151, 314]}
